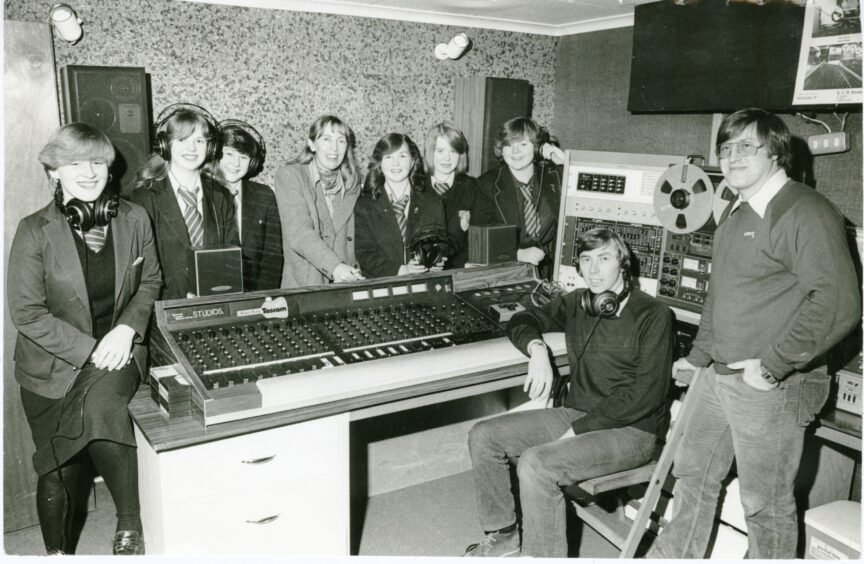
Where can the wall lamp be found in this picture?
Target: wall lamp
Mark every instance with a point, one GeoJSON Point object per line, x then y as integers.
{"type": "Point", "coordinates": [66, 22]}
{"type": "Point", "coordinates": [454, 49]}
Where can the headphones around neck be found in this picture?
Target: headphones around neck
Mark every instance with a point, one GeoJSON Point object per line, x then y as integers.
{"type": "Point", "coordinates": [605, 304]}
{"type": "Point", "coordinates": [85, 216]}
{"type": "Point", "coordinates": [163, 141]}
{"type": "Point", "coordinates": [256, 161]}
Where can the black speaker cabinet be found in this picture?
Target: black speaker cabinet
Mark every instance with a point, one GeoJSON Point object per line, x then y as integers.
{"type": "Point", "coordinates": [217, 270]}
{"type": "Point", "coordinates": [113, 100]}
{"type": "Point", "coordinates": [481, 106]}
{"type": "Point", "coordinates": [492, 244]}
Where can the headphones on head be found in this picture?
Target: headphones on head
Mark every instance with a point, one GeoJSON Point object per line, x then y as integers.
{"type": "Point", "coordinates": [85, 216]}
{"type": "Point", "coordinates": [543, 137]}
{"type": "Point", "coordinates": [163, 141]}
{"type": "Point", "coordinates": [256, 162]}
{"type": "Point", "coordinates": [604, 304]}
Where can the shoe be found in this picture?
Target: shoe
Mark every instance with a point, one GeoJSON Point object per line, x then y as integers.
{"type": "Point", "coordinates": [128, 543]}
{"type": "Point", "coordinates": [56, 552]}
{"type": "Point", "coordinates": [497, 544]}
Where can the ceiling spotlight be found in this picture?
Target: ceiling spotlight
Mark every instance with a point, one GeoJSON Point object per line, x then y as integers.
{"type": "Point", "coordinates": [66, 22]}
{"type": "Point", "coordinates": [454, 49]}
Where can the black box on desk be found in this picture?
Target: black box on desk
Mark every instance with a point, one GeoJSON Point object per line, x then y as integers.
{"type": "Point", "coordinates": [492, 244]}
{"type": "Point", "coordinates": [170, 391]}
{"type": "Point", "coordinates": [216, 270]}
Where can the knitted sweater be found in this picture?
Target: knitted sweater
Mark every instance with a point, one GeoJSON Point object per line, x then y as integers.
{"type": "Point", "coordinates": [783, 287]}
{"type": "Point", "coordinates": [620, 367]}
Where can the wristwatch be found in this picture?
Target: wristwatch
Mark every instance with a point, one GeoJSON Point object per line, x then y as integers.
{"type": "Point", "coordinates": [768, 377]}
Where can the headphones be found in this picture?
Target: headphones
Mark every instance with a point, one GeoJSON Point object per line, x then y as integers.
{"type": "Point", "coordinates": [85, 216]}
{"type": "Point", "coordinates": [431, 244]}
{"type": "Point", "coordinates": [256, 161]}
{"type": "Point", "coordinates": [163, 141]}
{"type": "Point", "coordinates": [543, 138]}
{"type": "Point", "coordinates": [605, 304]}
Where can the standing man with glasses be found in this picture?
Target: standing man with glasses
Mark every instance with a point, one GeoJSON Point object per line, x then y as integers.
{"type": "Point", "coordinates": [783, 292]}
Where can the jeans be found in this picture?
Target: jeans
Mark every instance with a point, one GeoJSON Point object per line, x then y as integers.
{"type": "Point", "coordinates": [545, 465]}
{"type": "Point", "coordinates": [763, 431]}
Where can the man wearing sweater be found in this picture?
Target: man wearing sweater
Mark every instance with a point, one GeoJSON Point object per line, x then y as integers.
{"type": "Point", "coordinates": [619, 347]}
{"type": "Point", "coordinates": [783, 292]}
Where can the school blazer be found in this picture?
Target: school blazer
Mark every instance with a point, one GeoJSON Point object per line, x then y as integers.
{"type": "Point", "coordinates": [313, 243]}
{"type": "Point", "coordinates": [500, 188]}
{"type": "Point", "coordinates": [380, 249]}
{"type": "Point", "coordinates": [262, 238]}
{"type": "Point", "coordinates": [172, 237]}
{"type": "Point", "coordinates": [463, 196]}
{"type": "Point", "coordinates": [48, 299]}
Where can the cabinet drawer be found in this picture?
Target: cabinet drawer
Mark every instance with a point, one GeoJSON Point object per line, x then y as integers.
{"type": "Point", "coordinates": [258, 461]}
{"type": "Point", "coordinates": [302, 518]}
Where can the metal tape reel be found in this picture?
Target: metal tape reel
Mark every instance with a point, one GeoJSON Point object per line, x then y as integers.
{"type": "Point", "coordinates": [683, 198]}
{"type": "Point", "coordinates": [722, 197]}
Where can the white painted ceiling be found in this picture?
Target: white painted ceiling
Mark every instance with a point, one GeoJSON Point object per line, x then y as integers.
{"type": "Point", "coordinates": [545, 17]}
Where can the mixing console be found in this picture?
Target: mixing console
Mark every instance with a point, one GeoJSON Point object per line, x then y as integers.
{"type": "Point", "coordinates": [246, 339]}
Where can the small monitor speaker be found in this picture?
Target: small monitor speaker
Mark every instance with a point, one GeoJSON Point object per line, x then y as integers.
{"type": "Point", "coordinates": [492, 244]}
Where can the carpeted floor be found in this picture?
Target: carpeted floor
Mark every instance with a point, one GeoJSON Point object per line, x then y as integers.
{"type": "Point", "coordinates": [437, 518]}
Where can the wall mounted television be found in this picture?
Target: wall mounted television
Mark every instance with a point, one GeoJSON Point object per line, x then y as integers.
{"type": "Point", "coordinates": [713, 56]}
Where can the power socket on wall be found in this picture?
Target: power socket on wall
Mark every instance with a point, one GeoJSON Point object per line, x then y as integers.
{"type": "Point", "coordinates": [828, 143]}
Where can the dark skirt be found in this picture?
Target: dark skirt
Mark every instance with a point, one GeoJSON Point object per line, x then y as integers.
{"type": "Point", "coordinates": [94, 408]}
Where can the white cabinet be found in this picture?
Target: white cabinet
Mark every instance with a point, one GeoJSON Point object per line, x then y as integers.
{"type": "Point", "coordinates": [279, 491]}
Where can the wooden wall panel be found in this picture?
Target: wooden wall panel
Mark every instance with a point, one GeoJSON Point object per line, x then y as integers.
{"type": "Point", "coordinates": [31, 115]}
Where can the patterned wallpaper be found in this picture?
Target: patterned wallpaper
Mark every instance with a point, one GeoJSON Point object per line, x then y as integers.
{"type": "Point", "coordinates": [280, 70]}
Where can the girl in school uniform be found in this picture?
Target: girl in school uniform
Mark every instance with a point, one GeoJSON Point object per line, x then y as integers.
{"type": "Point", "coordinates": [189, 210]}
{"type": "Point", "coordinates": [393, 206]}
{"type": "Point", "coordinates": [316, 194]}
{"type": "Point", "coordinates": [83, 276]}
{"type": "Point", "coordinates": [446, 152]}
{"type": "Point", "coordinates": [526, 189]}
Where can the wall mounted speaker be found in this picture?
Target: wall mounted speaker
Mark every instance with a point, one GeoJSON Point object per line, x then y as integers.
{"type": "Point", "coordinates": [115, 101]}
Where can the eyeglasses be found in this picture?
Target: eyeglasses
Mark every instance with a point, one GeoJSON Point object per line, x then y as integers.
{"type": "Point", "coordinates": [745, 149]}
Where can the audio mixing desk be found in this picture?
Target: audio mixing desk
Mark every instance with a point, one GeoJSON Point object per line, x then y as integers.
{"type": "Point", "coordinates": [262, 353]}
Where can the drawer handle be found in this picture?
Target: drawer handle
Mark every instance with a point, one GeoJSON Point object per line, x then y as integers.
{"type": "Point", "coordinates": [264, 460]}
{"type": "Point", "coordinates": [263, 521]}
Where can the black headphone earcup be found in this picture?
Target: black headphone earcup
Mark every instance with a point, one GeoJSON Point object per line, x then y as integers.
{"type": "Point", "coordinates": [163, 146]}
{"type": "Point", "coordinates": [105, 208]}
{"type": "Point", "coordinates": [79, 215]}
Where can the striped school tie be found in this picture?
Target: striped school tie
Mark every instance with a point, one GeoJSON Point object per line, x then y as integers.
{"type": "Point", "coordinates": [95, 238]}
{"type": "Point", "coordinates": [532, 220]}
{"type": "Point", "coordinates": [440, 187]}
{"type": "Point", "coordinates": [400, 209]}
{"type": "Point", "coordinates": [192, 216]}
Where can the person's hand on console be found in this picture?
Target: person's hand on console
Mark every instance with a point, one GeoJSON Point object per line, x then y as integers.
{"type": "Point", "coordinates": [532, 255]}
{"type": "Point", "coordinates": [538, 381]}
{"type": "Point", "coordinates": [114, 350]}
{"type": "Point", "coordinates": [413, 267]}
{"type": "Point", "coordinates": [439, 266]}
{"type": "Point", "coordinates": [345, 273]}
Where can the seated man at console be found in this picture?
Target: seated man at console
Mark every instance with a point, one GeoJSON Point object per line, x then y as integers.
{"type": "Point", "coordinates": [619, 346]}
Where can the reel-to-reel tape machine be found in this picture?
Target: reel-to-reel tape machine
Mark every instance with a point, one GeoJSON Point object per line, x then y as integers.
{"type": "Point", "coordinates": [666, 209]}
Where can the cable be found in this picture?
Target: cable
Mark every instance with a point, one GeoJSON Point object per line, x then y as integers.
{"type": "Point", "coordinates": [557, 399]}
{"type": "Point", "coordinates": [842, 120]}
{"type": "Point", "coordinates": [814, 120]}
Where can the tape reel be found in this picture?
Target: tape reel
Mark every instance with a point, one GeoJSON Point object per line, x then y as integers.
{"type": "Point", "coordinates": [683, 198]}
{"type": "Point", "coordinates": [723, 196]}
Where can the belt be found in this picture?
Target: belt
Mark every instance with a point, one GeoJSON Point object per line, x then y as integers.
{"type": "Point", "coordinates": [724, 370]}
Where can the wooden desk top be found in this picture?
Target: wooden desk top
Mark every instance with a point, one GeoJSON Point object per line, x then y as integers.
{"type": "Point", "coordinates": [840, 427]}
{"type": "Point", "coordinates": [166, 434]}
